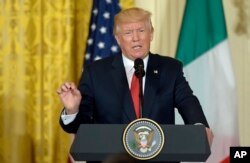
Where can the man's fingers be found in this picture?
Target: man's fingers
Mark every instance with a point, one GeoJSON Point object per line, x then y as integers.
{"type": "Point", "coordinates": [59, 91]}
{"type": "Point", "coordinates": [65, 87]}
{"type": "Point", "coordinates": [73, 86]}
{"type": "Point", "coordinates": [69, 85]}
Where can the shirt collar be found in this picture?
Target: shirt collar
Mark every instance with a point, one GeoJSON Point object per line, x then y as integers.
{"type": "Point", "coordinates": [129, 64]}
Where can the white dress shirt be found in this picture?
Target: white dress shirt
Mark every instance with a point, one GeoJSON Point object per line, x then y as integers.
{"type": "Point", "coordinates": [129, 68]}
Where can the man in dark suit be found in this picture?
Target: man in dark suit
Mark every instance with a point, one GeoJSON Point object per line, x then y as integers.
{"type": "Point", "coordinates": [104, 97]}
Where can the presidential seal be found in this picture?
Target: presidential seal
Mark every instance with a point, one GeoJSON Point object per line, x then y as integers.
{"type": "Point", "coordinates": [143, 139]}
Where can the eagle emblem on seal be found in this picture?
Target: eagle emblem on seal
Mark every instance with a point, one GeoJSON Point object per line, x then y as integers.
{"type": "Point", "coordinates": [144, 137]}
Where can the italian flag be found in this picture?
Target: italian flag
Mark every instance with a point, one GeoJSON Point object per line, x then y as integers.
{"type": "Point", "coordinates": [203, 48]}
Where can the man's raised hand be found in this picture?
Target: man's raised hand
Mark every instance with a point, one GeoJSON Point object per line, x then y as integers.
{"type": "Point", "coordinates": [70, 97]}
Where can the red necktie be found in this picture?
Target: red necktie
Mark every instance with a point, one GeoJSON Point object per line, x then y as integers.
{"type": "Point", "coordinates": [135, 90]}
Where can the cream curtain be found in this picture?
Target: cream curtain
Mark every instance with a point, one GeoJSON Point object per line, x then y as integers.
{"type": "Point", "coordinates": [167, 17]}
{"type": "Point", "coordinates": [42, 44]}
{"type": "Point", "coordinates": [238, 25]}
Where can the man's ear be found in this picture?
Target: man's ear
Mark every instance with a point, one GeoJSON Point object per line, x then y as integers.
{"type": "Point", "coordinates": [152, 34]}
{"type": "Point", "coordinates": [117, 40]}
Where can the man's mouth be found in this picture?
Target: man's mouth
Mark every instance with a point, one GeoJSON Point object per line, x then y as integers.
{"type": "Point", "coordinates": [137, 47]}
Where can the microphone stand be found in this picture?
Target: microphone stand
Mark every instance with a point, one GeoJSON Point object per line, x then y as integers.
{"type": "Point", "coordinates": [141, 96]}
{"type": "Point", "coordinates": [139, 72]}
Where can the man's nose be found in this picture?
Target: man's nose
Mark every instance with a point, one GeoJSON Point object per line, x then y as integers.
{"type": "Point", "coordinates": [135, 36]}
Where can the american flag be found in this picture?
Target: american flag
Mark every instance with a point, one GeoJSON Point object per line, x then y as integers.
{"type": "Point", "coordinates": [101, 42]}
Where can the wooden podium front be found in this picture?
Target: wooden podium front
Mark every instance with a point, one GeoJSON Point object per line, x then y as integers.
{"type": "Point", "coordinates": [96, 142]}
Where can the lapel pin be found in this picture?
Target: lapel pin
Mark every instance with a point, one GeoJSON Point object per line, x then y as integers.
{"type": "Point", "coordinates": [155, 71]}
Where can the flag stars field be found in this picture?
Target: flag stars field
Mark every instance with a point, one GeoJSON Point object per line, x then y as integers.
{"type": "Point", "coordinates": [97, 58]}
{"type": "Point", "coordinates": [106, 15]}
{"type": "Point", "coordinates": [87, 56]}
{"type": "Point", "coordinates": [90, 41]}
{"type": "Point", "coordinates": [114, 48]}
{"type": "Point", "coordinates": [95, 11]}
{"type": "Point", "coordinates": [101, 45]}
{"type": "Point", "coordinates": [109, 1]}
{"type": "Point", "coordinates": [103, 30]}
{"type": "Point", "coordinates": [93, 27]}
{"type": "Point", "coordinates": [101, 42]}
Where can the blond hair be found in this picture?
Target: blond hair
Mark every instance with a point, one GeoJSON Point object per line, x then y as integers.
{"type": "Point", "coordinates": [131, 15]}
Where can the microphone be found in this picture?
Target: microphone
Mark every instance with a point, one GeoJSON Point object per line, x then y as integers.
{"type": "Point", "coordinates": [139, 68]}
{"type": "Point", "coordinates": [139, 73]}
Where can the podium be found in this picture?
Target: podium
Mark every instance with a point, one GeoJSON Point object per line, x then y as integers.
{"type": "Point", "coordinates": [96, 142]}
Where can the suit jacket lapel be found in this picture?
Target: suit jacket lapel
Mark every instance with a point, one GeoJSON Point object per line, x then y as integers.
{"type": "Point", "coordinates": [152, 79]}
{"type": "Point", "coordinates": [122, 89]}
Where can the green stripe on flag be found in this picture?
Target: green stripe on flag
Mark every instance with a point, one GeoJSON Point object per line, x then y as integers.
{"type": "Point", "coordinates": [202, 28]}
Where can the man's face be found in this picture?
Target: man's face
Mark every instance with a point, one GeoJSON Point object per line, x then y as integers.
{"type": "Point", "coordinates": [134, 39]}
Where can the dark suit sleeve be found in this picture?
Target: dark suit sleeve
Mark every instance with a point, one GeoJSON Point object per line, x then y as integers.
{"type": "Point", "coordinates": [186, 102]}
{"type": "Point", "coordinates": [86, 109]}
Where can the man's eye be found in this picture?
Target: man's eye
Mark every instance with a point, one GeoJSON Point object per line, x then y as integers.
{"type": "Point", "coordinates": [128, 33]}
{"type": "Point", "coordinates": [141, 30]}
